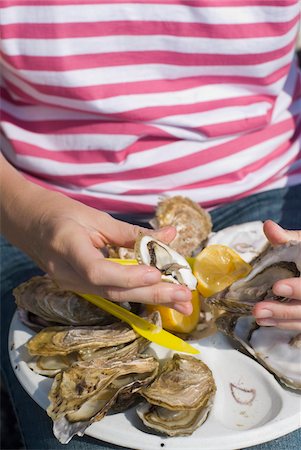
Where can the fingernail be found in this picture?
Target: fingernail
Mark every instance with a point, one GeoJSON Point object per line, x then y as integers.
{"type": "Point", "coordinates": [283, 289]}
{"type": "Point", "coordinates": [182, 308]}
{"type": "Point", "coordinates": [266, 322]}
{"type": "Point", "coordinates": [180, 296]}
{"type": "Point", "coordinates": [264, 313]}
{"type": "Point", "coordinates": [151, 277]}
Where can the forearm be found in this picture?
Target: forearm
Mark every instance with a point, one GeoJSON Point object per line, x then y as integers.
{"type": "Point", "coordinates": [22, 204]}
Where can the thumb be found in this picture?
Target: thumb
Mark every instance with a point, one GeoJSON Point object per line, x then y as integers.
{"type": "Point", "coordinates": [278, 235]}
{"type": "Point", "coordinates": [125, 234]}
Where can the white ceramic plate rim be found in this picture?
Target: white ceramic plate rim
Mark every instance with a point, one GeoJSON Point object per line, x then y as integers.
{"type": "Point", "coordinates": [119, 429]}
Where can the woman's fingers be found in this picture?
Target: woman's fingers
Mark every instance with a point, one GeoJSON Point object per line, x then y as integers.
{"type": "Point", "coordinates": [278, 235]}
{"type": "Point", "coordinates": [290, 288]}
{"type": "Point", "coordinates": [281, 315]}
{"type": "Point", "coordinates": [125, 235]}
{"type": "Point", "coordinates": [161, 293]}
{"type": "Point", "coordinates": [91, 267]}
{"type": "Point", "coordinates": [283, 324]}
{"type": "Point", "coordinates": [84, 269]}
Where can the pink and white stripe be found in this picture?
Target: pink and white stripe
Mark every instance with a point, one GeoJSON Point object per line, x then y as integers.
{"type": "Point", "coordinates": [117, 103]}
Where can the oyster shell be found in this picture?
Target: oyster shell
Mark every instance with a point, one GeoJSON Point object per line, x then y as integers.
{"type": "Point", "coordinates": [193, 223]}
{"type": "Point", "coordinates": [279, 351]}
{"type": "Point", "coordinates": [180, 398]}
{"type": "Point", "coordinates": [41, 297]}
{"type": "Point", "coordinates": [85, 392]}
{"type": "Point", "coordinates": [65, 340]}
{"type": "Point", "coordinates": [280, 262]}
{"type": "Point", "coordinates": [247, 239]}
{"type": "Point", "coordinates": [56, 348]}
{"type": "Point", "coordinates": [173, 266]}
{"type": "Point", "coordinates": [51, 365]}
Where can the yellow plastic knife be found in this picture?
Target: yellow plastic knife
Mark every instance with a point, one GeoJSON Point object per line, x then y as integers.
{"type": "Point", "coordinates": [141, 326]}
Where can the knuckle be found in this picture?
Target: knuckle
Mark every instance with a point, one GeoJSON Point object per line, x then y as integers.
{"type": "Point", "coordinates": [128, 280]}
{"type": "Point", "coordinates": [286, 315]}
{"type": "Point", "coordinates": [113, 294]}
{"type": "Point", "coordinates": [92, 274]}
{"type": "Point", "coordinates": [156, 296]}
{"type": "Point", "coordinates": [136, 230]}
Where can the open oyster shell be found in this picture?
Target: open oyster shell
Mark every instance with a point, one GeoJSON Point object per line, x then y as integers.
{"type": "Point", "coordinates": [180, 398]}
{"type": "Point", "coordinates": [279, 351]}
{"type": "Point", "coordinates": [85, 392]}
{"type": "Point", "coordinates": [280, 262]}
{"type": "Point", "coordinates": [52, 305]}
{"type": "Point", "coordinates": [193, 223]}
{"type": "Point", "coordinates": [247, 239]}
{"type": "Point", "coordinates": [173, 266]}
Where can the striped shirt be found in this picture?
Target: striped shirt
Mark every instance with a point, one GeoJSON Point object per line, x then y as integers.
{"type": "Point", "coordinates": [120, 103]}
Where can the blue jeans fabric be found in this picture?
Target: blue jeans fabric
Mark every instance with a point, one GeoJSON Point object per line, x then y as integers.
{"type": "Point", "coordinates": [281, 205]}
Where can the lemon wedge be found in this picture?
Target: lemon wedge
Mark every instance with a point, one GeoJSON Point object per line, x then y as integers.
{"type": "Point", "coordinates": [173, 320]}
{"type": "Point", "coordinates": [216, 267]}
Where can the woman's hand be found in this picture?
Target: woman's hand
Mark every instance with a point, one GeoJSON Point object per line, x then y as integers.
{"type": "Point", "coordinates": [275, 313]}
{"type": "Point", "coordinates": [69, 241]}
{"type": "Point", "coordinates": [64, 237]}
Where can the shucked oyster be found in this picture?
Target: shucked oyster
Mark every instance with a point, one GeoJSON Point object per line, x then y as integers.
{"type": "Point", "coordinates": [173, 266]}
{"type": "Point", "coordinates": [41, 297]}
{"type": "Point", "coordinates": [192, 222]}
{"type": "Point", "coordinates": [277, 350]}
{"type": "Point", "coordinates": [280, 262]}
{"type": "Point", "coordinates": [180, 398]}
{"type": "Point", "coordinates": [85, 392]}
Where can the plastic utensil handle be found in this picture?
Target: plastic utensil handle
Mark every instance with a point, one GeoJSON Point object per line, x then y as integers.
{"type": "Point", "coordinates": [148, 330]}
{"type": "Point", "coordinates": [119, 312]}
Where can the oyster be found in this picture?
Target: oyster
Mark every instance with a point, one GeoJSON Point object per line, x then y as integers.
{"type": "Point", "coordinates": [180, 398]}
{"type": "Point", "coordinates": [193, 223]}
{"type": "Point", "coordinates": [85, 392]}
{"type": "Point", "coordinates": [121, 252]}
{"type": "Point", "coordinates": [280, 262]}
{"type": "Point", "coordinates": [247, 239]}
{"type": "Point", "coordinates": [65, 340]}
{"type": "Point", "coordinates": [56, 348]}
{"type": "Point", "coordinates": [41, 297]}
{"type": "Point", "coordinates": [279, 351]}
{"type": "Point", "coordinates": [173, 266]}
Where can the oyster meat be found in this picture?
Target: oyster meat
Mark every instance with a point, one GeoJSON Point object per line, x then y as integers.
{"type": "Point", "coordinates": [85, 392]}
{"type": "Point", "coordinates": [279, 351]}
{"type": "Point", "coordinates": [247, 239]}
{"type": "Point", "coordinates": [180, 397]}
{"type": "Point", "coordinates": [173, 266]}
{"type": "Point", "coordinates": [40, 297]}
{"type": "Point", "coordinates": [193, 223]}
{"type": "Point", "coordinates": [280, 262]}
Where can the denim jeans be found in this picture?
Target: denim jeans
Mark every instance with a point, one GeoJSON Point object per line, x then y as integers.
{"type": "Point", "coordinates": [281, 205]}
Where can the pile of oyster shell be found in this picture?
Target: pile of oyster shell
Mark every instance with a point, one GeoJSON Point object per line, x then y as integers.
{"type": "Point", "coordinates": [100, 365]}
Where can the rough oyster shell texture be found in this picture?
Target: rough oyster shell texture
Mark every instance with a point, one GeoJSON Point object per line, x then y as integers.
{"type": "Point", "coordinates": [180, 398]}
{"type": "Point", "coordinates": [193, 223]}
{"type": "Point", "coordinates": [41, 297]}
{"type": "Point", "coordinates": [279, 262]}
{"type": "Point", "coordinates": [83, 393]}
{"type": "Point", "coordinates": [56, 348]}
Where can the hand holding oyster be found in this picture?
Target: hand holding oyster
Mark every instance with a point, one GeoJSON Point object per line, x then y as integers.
{"type": "Point", "coordinates": [102, 367]}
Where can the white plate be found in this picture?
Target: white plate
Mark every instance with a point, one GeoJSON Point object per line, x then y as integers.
{"type": "Point", "coordinates": [250, 407]}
